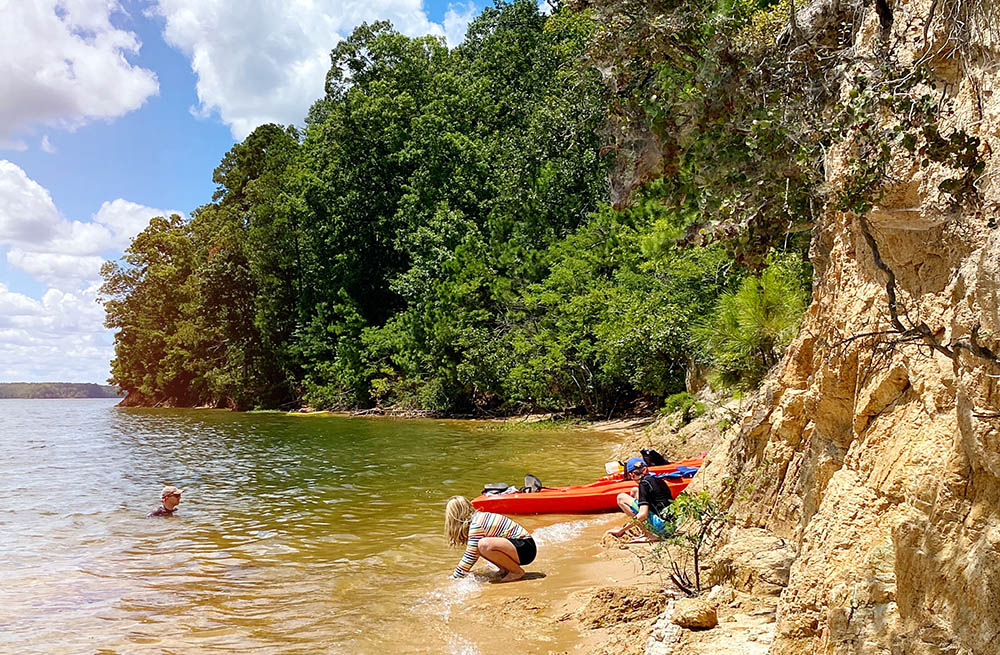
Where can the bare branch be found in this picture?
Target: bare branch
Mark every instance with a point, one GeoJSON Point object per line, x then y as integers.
{"type": "Point", "coordinates": [920, 331]}
{"type": "Point", "coordinates": [681, 580]}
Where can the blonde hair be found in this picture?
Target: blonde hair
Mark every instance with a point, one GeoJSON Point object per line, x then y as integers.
{"type": "Point", "coordinates": [457, 516]}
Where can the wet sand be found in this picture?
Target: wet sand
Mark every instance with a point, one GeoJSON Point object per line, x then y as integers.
{"type": "Point", "coordinates": [545, 612]}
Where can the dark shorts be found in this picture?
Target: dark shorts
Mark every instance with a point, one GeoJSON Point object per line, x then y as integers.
{"type": "Point", "coordinates": [526, 550]}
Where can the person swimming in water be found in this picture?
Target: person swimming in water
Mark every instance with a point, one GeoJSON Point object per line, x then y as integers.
{"type": "Point", "coordinates": [494, 537]}
{"type": "Point", "coordinates": [170, 498]}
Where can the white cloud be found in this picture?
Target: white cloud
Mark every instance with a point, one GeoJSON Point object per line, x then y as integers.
{"type": "Point", "coordinates": [76, 311]}
{"type": "Point", "coordinates": [125, 219]}
{"type": "Point", "coordinates": [265, 61]}
{"type": "Point", "coordinates": [16, 145]}
{"type": "Point", "coordinates": [55, 250]}
{"type": "Point", "coordinates": [56, 269]}
{"type": "Point", "coordinates": [76, 238]}
{"type": "Point", "coordinates": [27, 213]}
{"type": "Point", "coordinates": [58, 338]}
{"type": "Point", "coordinates": [57, 311]}
{"type": "Point", "coordinates": [61, 336]}
{"type": "Point", "coordinates": [14, 306]}
{"type": "Point", "coordinates": [456, 21]}
{"type": "Point", "coordinates": [47, 145]}
{"type": "Point", "coordinates": [63, 63]}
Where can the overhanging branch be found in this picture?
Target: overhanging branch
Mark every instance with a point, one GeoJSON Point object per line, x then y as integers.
{"type": "Point", "coordinates": [921, 330]}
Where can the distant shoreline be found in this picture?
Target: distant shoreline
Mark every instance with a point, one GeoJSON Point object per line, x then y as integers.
{"type": "Point", "coordinates": [56, 390]}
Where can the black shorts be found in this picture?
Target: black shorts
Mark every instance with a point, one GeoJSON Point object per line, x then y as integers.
{"type": "Point", "coordinates": [526, 550]}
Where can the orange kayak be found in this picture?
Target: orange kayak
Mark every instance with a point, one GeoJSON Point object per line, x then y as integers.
{"type": "Point", "coordinates": [598, 496]}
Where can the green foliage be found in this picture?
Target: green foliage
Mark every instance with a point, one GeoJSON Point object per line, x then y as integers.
{"type": "Point", "coordinates": [204, 309]}
{"type": "Point", "coordinates": [734, 118]}
{"type": "Point", "coordinates": [890, 110]}
{"type": "Point", "coordinates": [148, 300]}
{"type": "Point", "coordinates": [444, 233]}
{"type": "Point", "coordinates": [684, 404]}
{"type": "Point", "coordinates": [698, 519]}
{"type": "Point", "coordinates": [383, 255]}
{"type": "Point", "coordinates": [748, 331]}
{"type": "Point", "coordinates": [439, 234]}
{"type": "Point", "coordinates": [610, 321]}
{"type": "Point", "coordinates": [698, 508]}
{"type": "Point", "coordinates": [761, 26]}
{"type": "Point", "coordinates": [437, 180]}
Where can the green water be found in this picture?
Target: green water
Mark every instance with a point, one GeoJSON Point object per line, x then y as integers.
{"type": "Point", "coordinates": [295, 534]}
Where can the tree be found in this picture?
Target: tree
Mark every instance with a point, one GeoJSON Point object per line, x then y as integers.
{"type": "Point", "coordinates": [751, 327]}
{"type": "Point", "coordinates": [253, 266]}
{"type": "Point", "coordinates": [147, 298]}
{"type": "Point", "coordinates": [439, 236]}
{"type": "Point", "coordinates": [699, 519]}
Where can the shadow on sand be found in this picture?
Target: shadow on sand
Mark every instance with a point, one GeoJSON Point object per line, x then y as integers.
{"type": "Point", "coordinates": [529, 575]}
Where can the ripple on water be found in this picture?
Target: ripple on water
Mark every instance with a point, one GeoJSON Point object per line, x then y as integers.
{"type": "Point", "coordinates": [339, 538]}
{"type": "Point", "coordinates": [261, 556]}
{"type": "Point", "coordinates": [450, 593]}
{"type": "Point", "coordinates": [561, 532]}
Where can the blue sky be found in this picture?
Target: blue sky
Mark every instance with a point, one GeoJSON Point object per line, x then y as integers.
{"type": "Point", "coordinates": [114, 112]}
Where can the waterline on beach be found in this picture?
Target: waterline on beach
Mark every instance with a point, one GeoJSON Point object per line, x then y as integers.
{"type": "Point", "coordinates": [293, 536]}
{"type": "Point", "coordinates": [452, 592]}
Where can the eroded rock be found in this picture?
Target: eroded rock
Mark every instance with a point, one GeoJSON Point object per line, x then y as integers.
{"type": "Point", "coordinates": [695, 614]}
{"type": "Point", "coordinates": [613, 605]}
{"type": "Point", "coordinates": [756, 561]}
{"type": "Point", "coordinates": [876, 457]}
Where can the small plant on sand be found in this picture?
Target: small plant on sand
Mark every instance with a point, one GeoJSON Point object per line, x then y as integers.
{"type": "Point", "coordinates": [699, 519]}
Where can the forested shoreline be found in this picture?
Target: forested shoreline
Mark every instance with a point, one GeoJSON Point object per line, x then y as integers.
{"type": "Point", "coordinates": [56, 390]}
{"type": "Point", "coordinates": [571, 212]}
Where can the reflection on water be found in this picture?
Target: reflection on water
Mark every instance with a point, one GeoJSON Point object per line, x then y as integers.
{"type": "Point", "coordinates": [295, 534]}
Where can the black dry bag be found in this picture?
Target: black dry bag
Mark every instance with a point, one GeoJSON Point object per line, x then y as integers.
{"type": "Point", "coordinates": [653, 458]}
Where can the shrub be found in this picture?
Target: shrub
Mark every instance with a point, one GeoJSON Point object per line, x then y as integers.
{"type": "Point", "coordinates": [751, 327]}
{"type": "Point", "coordinates": [701, 520]}
{"type": "Point", "coordinates": [685, 404]}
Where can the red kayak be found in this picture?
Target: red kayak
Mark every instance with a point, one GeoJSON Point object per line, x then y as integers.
{"type": "Point", "coordinates": [599, 496]}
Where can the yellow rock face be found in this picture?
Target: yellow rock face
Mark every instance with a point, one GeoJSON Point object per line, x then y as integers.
{"type": "Point", "coordinates": [878, 461]}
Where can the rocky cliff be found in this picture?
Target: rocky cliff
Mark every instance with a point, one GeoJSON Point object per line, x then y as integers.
{"type": "Point", "coordinates": [875, 448]}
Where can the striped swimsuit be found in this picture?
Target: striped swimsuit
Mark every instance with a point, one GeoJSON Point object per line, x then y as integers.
{"type": "Point", "coordinates": [486, 524]}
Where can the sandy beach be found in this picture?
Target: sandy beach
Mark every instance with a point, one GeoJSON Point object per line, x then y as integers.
{"type": "Point", "coordinates": [558, 608]}
{"type": "Point", "coordinates": [589, 595]}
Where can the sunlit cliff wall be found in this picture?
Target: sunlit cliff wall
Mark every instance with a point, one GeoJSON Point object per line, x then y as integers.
{"type": "Point", "coordinates": [878, 456]}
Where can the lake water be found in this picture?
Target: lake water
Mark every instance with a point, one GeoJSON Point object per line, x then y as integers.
{"type": "Point", "coordinates": [296, 534]}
